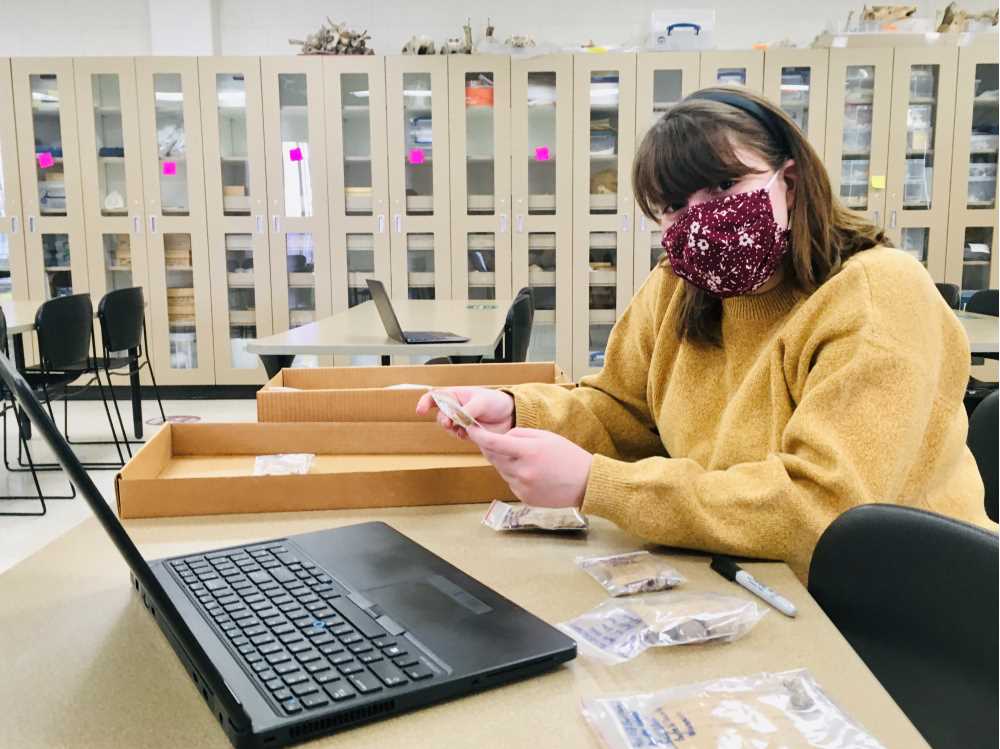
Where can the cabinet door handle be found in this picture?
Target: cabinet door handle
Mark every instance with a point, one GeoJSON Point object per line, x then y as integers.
{"type": "Point", "coordinates": [892, 219]}
{"type": "Point", "coordinates": [877, 216]}
{"type": "Point", "coordinates": [136, 225]}
{"type": "Point", "coordinates": [13, 224]}
{"type": "Point", "coordinates": [152, 224]}
{"type": "Point", "coordinates": [31, 224]}
{"type": "Point", "coordinates": [642, 222]}
{"type": "Point", "coordinates": [519, 221]}
{"type": "Point", "coordinates": [503, 223]}
{"type": "Point", "coordinates": [260, 223]}
{"type": "Point", "coordinates": [381, 223]}
{"type": "Point", "coordinates": [624, 222]}
{"type": "Point", "coordinates": [276, 224]}
{"type": "Point", "coordinates": [398, 221]}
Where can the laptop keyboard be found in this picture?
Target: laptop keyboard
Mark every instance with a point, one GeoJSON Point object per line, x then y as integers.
{"type": "Point", "coordinates": [298, 631]}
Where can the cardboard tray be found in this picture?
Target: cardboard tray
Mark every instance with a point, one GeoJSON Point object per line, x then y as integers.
{"type": "Point", "coordinates": [352, 394]}
{"type": "Point", "coordinates": [207, 469]}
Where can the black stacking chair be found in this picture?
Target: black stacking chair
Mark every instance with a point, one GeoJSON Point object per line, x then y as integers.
{"type": "Point", "coordinates": [516, 333]}
{"type": "Point", "coordinates": [984, 427]}
{"type": "Point", "coordinates": [951, 293]}
{"type": "Point", "coordinates": [983, 302]}
{"type": "Point", "coordinates": [122, 316]}
{"type": "Point", "coordinates": [7, 404]}
{"type": "Point", "coordinates": [915, 594]}
{"type": "Point", "coordinates": [67, 351]}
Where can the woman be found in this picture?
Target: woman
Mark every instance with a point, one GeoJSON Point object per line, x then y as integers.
{"type": "Point", "coordinates": [780, 365]}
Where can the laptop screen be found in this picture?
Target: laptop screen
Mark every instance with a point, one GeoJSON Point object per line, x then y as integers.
{"type": "Point", "coordinates": [385, 310]}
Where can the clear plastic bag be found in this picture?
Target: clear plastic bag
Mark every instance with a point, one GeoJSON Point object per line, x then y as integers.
{"type": "Point", "coordinates": [282, 464]}
{"type": "Point", "coordinates": [763, 711]}
{"type": "Point", "coordinates": [631, 573]}
{"type": "Point", "coordinates": [618, 631]}
{"type": "Point", "coordinates": [448, 405]}
{"type": "Point", "coordinates": [502, 516]}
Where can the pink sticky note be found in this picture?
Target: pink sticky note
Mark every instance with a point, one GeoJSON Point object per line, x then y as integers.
{"type": "Point", "coordinates": [416, 156]}
{"type": "Point", "coordinates": [169, 168]}
{"type": "Point", "coordinates": [542, 153]}
{"type": "Point", "coordinates": [45, 159]}
{"type": "Point", "coordinates": [295, 154]}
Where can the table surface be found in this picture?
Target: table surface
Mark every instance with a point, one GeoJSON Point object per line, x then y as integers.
{"type": "Point", "coordinates": [982, 330]}
{"type": "Point", "coordinates": [20, 315]}
{"type": "Point", "coordinates": [85, 666]}
{"type": "Point", "coordinates": [359, 330]}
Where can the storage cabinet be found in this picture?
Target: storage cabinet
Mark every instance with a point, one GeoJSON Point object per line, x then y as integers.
{"type": "Point", "coordinates": [179, 290]}
{"type": "Point", "coordinates": [108, 121]}
{"type": "Point", "coordinates": [972, 226]}
{"type": "Point", "coordinates": [662, 80]}
{"type": "Point", "coordinates": [296, 168]}
{"type": "Point", "coordinates": [604, 141]}
{"type": "Point", "coordinates": [13, 264]}
{"type": "Point", "coordinates": [542, 199]}
{"type": "Point", "coordinates": [236, 198]}
{"type": "Point", "coordinates": [479, 139]}
{"type": "Point", "coordinates": [419, 173]}
{"type": "Point", "coordinates": [49, 156]}
{"type": "Point", "coordinates": [857, 128]}
{"type": "Point", "coordinates": [737, 68]}
{"type": "Point", "coordinates": [795, 80]}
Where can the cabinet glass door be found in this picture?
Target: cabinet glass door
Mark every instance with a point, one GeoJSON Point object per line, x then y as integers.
{"type": "Point", "coordinates": [662, 80]}
{"type": "Point", "coordinates": [743, 68]}
{"type": "Point", "coordinates": [356, 128]}
{"type": "Point", "coordinates": [604, 106]}
{"type": "Point", "coordinates": [857, 133]}
{"type": "Point", "coordinates": [179, 291]}
{"type": "Point", "coordinates": [795, 80]}
{"type": "Point", "coordinates": [479, 137]}
{"type": "Point", "coordinates": [419, 172]}
{"type": "Point", "coordinates": [295, 137]}
{"type": "Point", "coordinates": [13, 265]}
{"type": "Point", "coordinates": [920, 147]}
{"type": "Point", "coordinates": [972, 223]}
{"type": "Point", "coordinates": [112, 173]}
{"type": "Point", "coordinates": [236, 193]}
{"type": "Point", "coordinates": [51, 195]}
{"type": "Point", "coordinates": [542, 187]}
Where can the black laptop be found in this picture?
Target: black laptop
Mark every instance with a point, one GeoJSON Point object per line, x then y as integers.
{"type": "Point", "coordinates": [292, 638]}
{"type": "Point", "coordinates": [391, 322]}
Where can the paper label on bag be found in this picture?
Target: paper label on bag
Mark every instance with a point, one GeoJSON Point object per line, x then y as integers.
{"type": "Point", "coordinates": [502, 516]}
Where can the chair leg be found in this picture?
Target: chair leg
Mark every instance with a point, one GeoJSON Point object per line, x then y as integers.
{"type": "Point", "coordinates": [121, 423]}
{"type": "Point", "coordinates": [107, 411]}
{"type": "Point", "coordinates": [23, 442]}
{"type": "Point", "coordinates": [156, 391]}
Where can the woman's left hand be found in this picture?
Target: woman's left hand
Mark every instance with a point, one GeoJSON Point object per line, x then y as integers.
{"type": "Point", "coordinates": [541, 468]}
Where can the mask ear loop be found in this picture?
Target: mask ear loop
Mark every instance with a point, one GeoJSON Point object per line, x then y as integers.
{"type": "Point", "coordinates": [771, 181]}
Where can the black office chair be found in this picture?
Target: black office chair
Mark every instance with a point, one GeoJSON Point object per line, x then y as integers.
{"type": "Point", "coordinates": [7, 404]}
{"type": "Point", "coordinates": [67, 351]}
{"type": "Point", "coordinates": [915, 594]}
{"type": "Point", "coordinates": [516, 333]}
{"type": "Point", "coordinates": [952, 294]}
{"type": "Point", "coordinates": [983, 302]}
{"type": "Point", "coordinates": [122, 316]}
{"type": "Point", "coordinates": [983, 442]}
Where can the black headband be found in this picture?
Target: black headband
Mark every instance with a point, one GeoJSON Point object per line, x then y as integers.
{"type": "Point", "coordinates": [767, 120]}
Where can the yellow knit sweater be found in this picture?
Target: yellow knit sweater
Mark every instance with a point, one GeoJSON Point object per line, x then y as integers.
{"type": "Point", "coordinates": [813, 404]}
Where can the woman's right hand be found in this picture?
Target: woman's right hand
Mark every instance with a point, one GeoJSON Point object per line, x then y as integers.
{"type": "Point", "coordinates": [493, 409]}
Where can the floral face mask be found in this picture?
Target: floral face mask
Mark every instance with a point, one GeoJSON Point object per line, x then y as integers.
{"type": "Point", "coordinates": [728, 246]}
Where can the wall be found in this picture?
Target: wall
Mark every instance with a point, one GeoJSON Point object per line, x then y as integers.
{"type": "Point", "coordinates": [255, 27]}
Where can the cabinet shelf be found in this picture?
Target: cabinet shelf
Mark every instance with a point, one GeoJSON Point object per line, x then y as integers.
{"type": "Point", "coordinates": [602, 317]}
{"type": "Point", "coordinates": [603, 277]}
{"type": "Point", "coordinates": [242, 317]}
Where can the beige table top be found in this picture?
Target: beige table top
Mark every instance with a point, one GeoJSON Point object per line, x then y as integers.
{"type": "Point", "coordinates": [85, 666]}
{"type": "Point", "coordinates": [983, 332]}
{"type": "Point", "coordinates": [20, 314]}
{"type": "Point", "coordinates": [359, 330]}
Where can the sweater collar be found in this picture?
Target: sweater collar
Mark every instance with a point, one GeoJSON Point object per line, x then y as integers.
{"type": "Point", "coordinates": [766, 306]}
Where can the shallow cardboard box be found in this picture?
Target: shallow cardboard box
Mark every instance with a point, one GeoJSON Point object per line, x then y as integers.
{"type": "Point", "coordinates": [207, 469]}
{"type": "Point", "coordinates": [359, 394]}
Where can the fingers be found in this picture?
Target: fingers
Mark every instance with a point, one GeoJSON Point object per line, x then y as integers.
{"type": "Point", "coordinates": [425, 404]}
{"type": "Point", "coordinates": [507, 445]}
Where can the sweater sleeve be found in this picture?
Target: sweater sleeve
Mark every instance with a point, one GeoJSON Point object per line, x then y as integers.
{"type": "Point", "coordinates": [608, 413]}
{"type": "Point", "coordinates": [861, 420]}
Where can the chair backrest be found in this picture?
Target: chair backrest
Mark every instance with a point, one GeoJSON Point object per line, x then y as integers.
{"type": "Point", "coordinates": [952, 294]}
{"type": "Point", "coordinates": [915, 594]}
{"type": "Point", "coordinates": [122, 316]}
{"type": "Point", "coordinates": [517, 329]}
{"type": "Point", "coordinates": [64, 327]}
{"type": "Point", "coordinates": [984, 302]}
{"type": "Point", "coordinates": [984, 426]}
{"type": "Point", "coordinates": [3, 333]}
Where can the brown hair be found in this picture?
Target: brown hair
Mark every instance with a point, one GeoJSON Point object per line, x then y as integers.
{"type": "Point", "coordinates": [693, 147]}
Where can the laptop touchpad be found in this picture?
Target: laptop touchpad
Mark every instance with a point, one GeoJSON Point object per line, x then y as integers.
{"type": "Point", "coordinates": [431, 601]}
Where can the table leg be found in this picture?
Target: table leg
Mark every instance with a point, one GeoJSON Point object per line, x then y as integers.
{"type": "Point", "coordinates": [23, 420]}
{"type": "Point", "coordinates": [274, 363]}
{"type": "Point", "coordinates": [386, 360]}
{"type": "Point", "coordinates": [133, 381]}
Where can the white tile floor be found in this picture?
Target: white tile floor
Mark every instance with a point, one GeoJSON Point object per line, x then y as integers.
{"type": "Point", "coordinates": [22, 536]}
